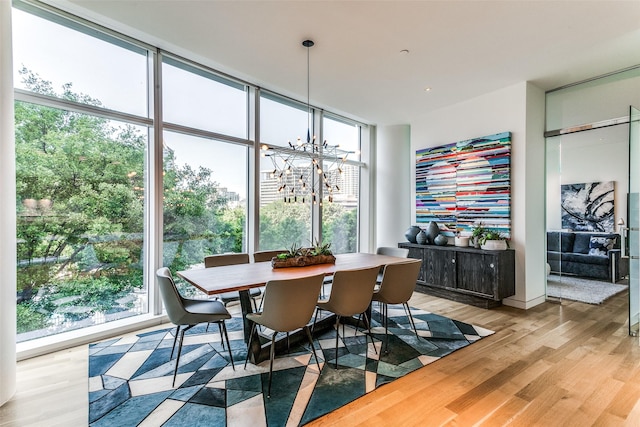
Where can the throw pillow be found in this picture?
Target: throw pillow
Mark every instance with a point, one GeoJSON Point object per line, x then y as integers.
{"type": "Point", "coordinates": [599, 246]}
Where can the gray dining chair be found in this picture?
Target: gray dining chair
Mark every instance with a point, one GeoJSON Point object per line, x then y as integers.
{"type": "Point", "coordinates": [288, 306]}
{"type": "Point", "coordinates": [264, 256]}
{"type": "Point", "coordinates": [397, 286]}
{"type": "Point", "coordinates": [390, 251]}
{"type": "Point", "coordinates": [232, 259]}
{"type": "Point", "coordinates": [351, 294]}
{"type": "Point", "coordinates": [189, 312]}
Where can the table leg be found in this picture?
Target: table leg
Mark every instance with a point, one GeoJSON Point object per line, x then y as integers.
{"type": "Point", "coordinates": [245, 305]}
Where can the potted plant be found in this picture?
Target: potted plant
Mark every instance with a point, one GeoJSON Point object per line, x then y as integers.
{"type": "Point", "coordinates": [476, 234]}
{"type": "Point", "coordinates": [297, 256]}
{"type": "Point", "coordinates": [493, 240]}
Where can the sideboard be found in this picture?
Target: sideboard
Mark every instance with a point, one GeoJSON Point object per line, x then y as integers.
{"type": "Point", "coordinates": [464, 274]}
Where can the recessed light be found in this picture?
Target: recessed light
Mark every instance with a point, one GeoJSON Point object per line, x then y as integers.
{"type": "Point", "coordinates": [404, 51]}
{"type": "Point", "coordinates": [427, 89]}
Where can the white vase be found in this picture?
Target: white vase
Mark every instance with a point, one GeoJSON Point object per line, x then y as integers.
{"type": "Point", "coordinates": [494, 245]}
{"type": "Point", "coordinates": [461, 241]}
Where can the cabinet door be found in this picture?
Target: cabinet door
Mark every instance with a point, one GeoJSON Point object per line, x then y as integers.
{"type": "Point", "coordinates": [440, 268]}
{"type": "Point", "coordinates": [477, 273]}
{"type": "Point", "coordinates": [417, 253]}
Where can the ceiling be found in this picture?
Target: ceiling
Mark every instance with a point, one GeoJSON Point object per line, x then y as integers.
{"type": "Point", "coordinates": [460, 49]}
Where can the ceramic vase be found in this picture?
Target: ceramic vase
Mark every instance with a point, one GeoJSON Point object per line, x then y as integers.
{"type": "Point", "coordinates": [432, 231]}
{"type": "Point", "coordinates": [411, 233]}
{"type": "Point", "coordinates": [422, 238]}
{"type": "Point", "coordinates": [462, 241]}
{"type": "Point", "coordinates": [441, 240]}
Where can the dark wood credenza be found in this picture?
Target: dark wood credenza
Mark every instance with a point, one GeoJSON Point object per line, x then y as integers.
{"type": "Point", "coordinates": [468, 275]}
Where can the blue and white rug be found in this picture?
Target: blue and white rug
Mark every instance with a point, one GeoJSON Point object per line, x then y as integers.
{"type": "Point", "coordinates": [130, 378]}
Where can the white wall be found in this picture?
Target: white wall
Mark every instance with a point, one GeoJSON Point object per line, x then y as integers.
{"type": "Point", "coordinates": [7, 215]}
{"type": "Point", "coordinates": [393, 194]}
{"type": "Point", "coordinates": [518, 109]}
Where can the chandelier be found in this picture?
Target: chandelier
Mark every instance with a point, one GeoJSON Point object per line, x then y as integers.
{"type": "Point", "coordinates": [306, 171]}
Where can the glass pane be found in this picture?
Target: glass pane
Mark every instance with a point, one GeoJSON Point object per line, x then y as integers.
{"type": "Point", "coordinates": [80, 192]}
{"type": "Point", "coordinates": [205, 199]}
{"type": "Point", "coordinates": [346, 136]}
{"type": "Point", "coordinates": [73, 65]}
{"type": "Point", "coordinates": [587, 185]}
{"type": "Point", "coordinates": [282, 123]}
{"type": "Point", "coordinates": [285, 219]}
{"type": "Point", "coordinates": [633, 221]}
{"type": "Point", "coordinates": [194, 98]}
{"type": "Point", "coordinates": [600, 99]}
{"type": "Point", "coordinates": [340, 218]}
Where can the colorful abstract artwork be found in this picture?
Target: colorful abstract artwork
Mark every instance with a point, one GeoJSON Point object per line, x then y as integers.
{"type": "Point", "coordinates": [588, 206]}
{"type": "Point", "coordinates": [465, 183]}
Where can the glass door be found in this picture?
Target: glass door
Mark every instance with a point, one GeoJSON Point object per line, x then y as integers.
{"type": "Point", "coordinates": [634, 221]}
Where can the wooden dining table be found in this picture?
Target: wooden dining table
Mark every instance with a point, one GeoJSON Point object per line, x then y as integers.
{"type": "Point", "coordinates": [243, 277]}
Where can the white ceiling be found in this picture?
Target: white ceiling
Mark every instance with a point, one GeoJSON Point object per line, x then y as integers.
{"type": "Point", "coordinates": [461, 49]}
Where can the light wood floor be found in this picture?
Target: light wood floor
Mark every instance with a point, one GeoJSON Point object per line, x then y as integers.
{"type": "Point", "coordinates": [568, 364]}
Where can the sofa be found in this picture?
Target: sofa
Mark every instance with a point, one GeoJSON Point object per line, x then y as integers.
{"type": "Point", "coordinates": [585, 254]}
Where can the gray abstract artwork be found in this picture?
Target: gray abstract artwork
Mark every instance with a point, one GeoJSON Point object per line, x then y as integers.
{"type": "Point", "coordinates": [588, 206]}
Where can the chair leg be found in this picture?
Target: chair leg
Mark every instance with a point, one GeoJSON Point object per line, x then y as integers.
{"type": "Point", "coordinates": [385, 316]}
{"type": "Point", "coordinates": [221, 337]}
{"type": "Point", "coordinates": [315, 318]}
{"type": "Point", "coordinates": [272, 355]}
{"type": "Point", "coordinates": [174, 341]}
{"type": "Point", "coordinates": [337, 333]}
{"type": "Point", "coordinates": [313, 349]}
{"type": "Point", "coordinates": [224, 328]}
{"type": "Point", "coordinates": [413, 323]}
{"type": "Point", "coordinates": [368, 323]}
{"type": "Point", "coordinates": [175, 372]}
{"type": "Point", "coordinates": [253, 330]}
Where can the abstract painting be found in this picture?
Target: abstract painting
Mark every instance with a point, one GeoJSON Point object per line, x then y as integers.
{"type": "Point", "coordinates": [465, 183]}
{"type": "Point", "coordinates": [588, 206]}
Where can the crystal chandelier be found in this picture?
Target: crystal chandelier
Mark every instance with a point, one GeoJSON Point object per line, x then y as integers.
{"type": "Point", "coordinates": [306, 171]}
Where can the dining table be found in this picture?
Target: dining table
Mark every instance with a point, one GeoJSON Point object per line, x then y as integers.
{"type": "Point", "coordinates": [243, 277]}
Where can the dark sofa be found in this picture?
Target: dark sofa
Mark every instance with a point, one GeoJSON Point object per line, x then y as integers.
{"type": "Point", "coordinates": [586, 254]}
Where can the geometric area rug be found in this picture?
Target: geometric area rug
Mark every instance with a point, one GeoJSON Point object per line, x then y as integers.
{"type": "Point", "coordinates": [130, 378]}
{"type": "Point", "coordinates": [582, 290]}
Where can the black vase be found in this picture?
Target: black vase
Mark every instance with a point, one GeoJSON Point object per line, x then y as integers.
{"type": "Point", "coordinates": [432, 231]}
{"type": "Point", "coordinates": [441, 240]}
{"type": "Point", "coordinates": [411, 233]}
{"type": "Point", "coordinates": [422, 238]}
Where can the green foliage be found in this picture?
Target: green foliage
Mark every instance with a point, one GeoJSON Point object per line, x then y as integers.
{"type": "Point", "coordinates": [29, 319]}
{"type": "Point", "coordinates": [80, 184]}
{"type": "Point", "coordinates": [491, 235]}
{"type": "Point", "coordinates": [478, 231]}
{"type": "Point", "coordinates": [321, 248]}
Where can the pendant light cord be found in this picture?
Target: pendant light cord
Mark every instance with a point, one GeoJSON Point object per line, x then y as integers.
{"type": "Point", "coordinates": [308, 44]}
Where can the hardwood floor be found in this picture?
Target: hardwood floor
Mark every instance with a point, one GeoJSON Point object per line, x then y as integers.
{"type": "Point", "coordinates": [568, 364]}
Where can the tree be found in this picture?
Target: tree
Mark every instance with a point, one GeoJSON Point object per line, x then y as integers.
{"type": "Point", "coordinates": [80, 183]}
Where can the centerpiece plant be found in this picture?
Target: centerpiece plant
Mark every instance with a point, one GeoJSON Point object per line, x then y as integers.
{"type": "Point", "coordinates": [298, 256]}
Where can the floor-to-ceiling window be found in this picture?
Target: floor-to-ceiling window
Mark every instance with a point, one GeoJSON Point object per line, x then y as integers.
{"type": "Point", "coordinates": [340, 217]}
{"type": "Point", "coordinates": [104, 162]}
{"type": "Point", "coordinates": [205, 173]}
{"type": "Point", "coordinates": [283, 222]}
{"type": "Point", "coordinates": [81, 139]}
